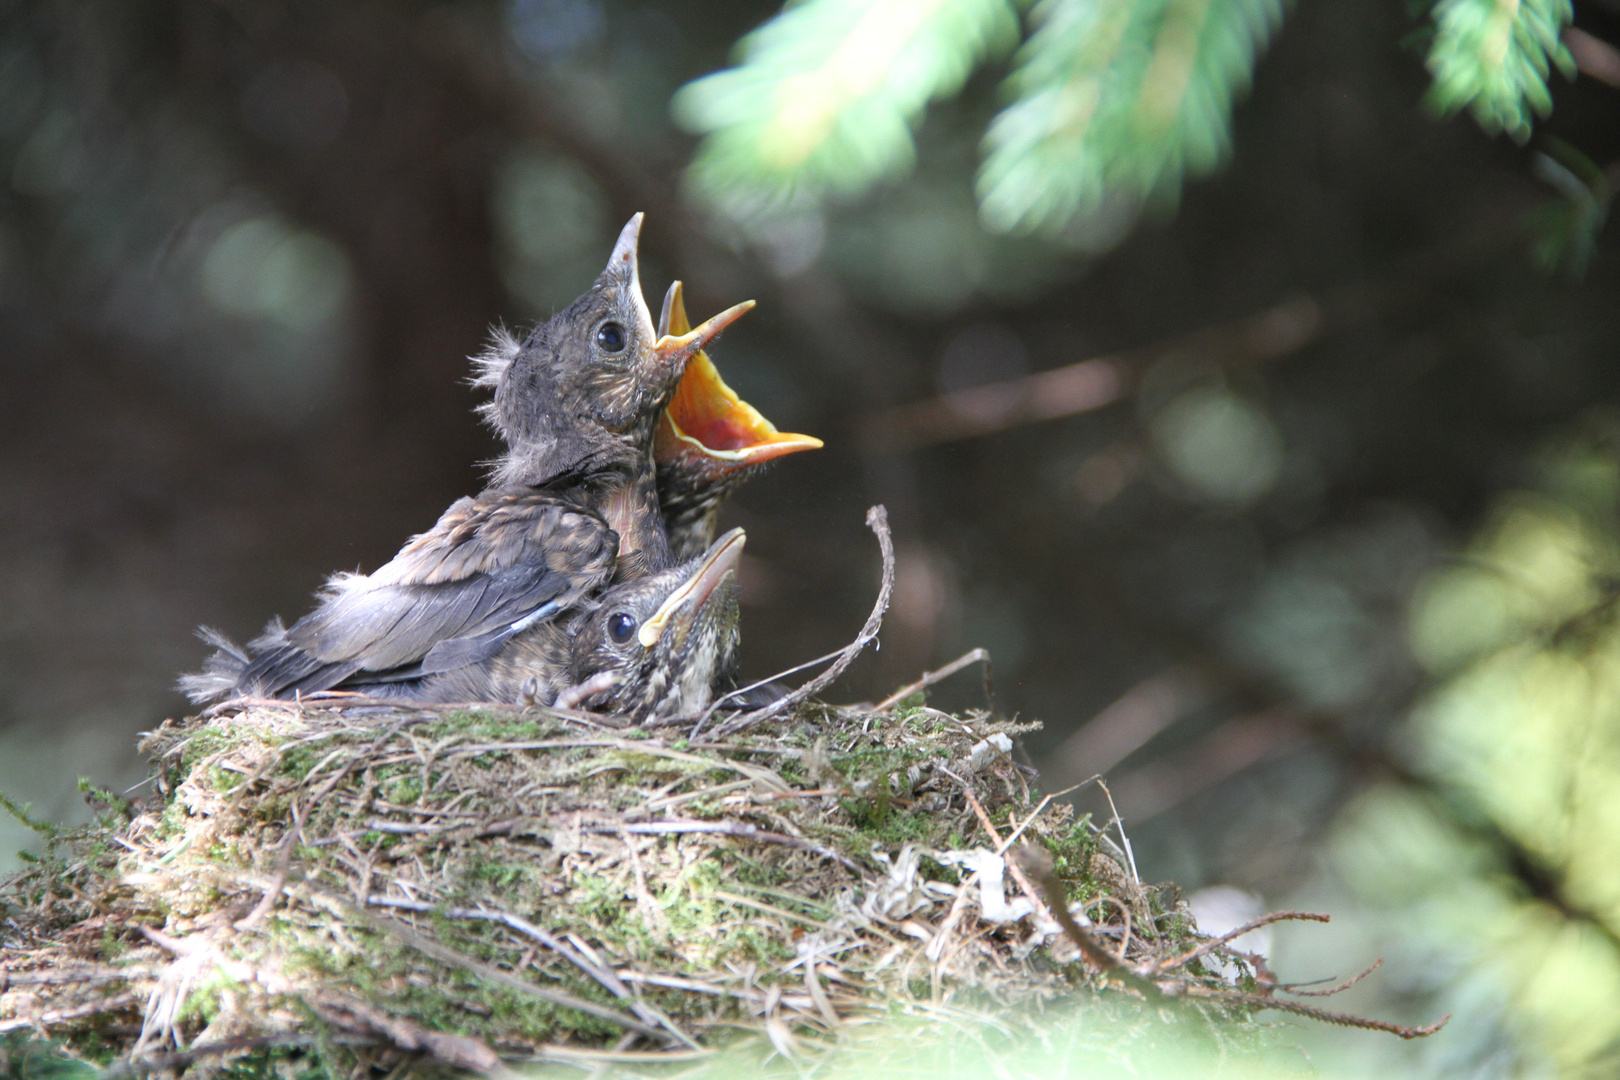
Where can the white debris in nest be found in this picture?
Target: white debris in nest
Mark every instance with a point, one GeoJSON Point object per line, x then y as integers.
{"type": "Point", "coordinates": [992, 871]}
{"type": "Point", "coordinates": [988, 750]}
{"type": "Point", "coordinates": [994, 907]}
{"type": "Point", "coordinates": [902, 891]}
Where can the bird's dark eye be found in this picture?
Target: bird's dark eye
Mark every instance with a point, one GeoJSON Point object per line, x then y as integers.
{"type": "Point", "coordinates": [610, 337]}
{"type": "Point", "coordinates": [620, 627]}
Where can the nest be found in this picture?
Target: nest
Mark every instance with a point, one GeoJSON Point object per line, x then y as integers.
{"type": "Point", "coordinates": [353, 886]}
{"type": "Point", "coordinates": [480, 887]}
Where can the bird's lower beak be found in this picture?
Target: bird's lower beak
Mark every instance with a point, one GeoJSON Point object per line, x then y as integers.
{"type": "Point", "coordinates": [683, 605]}
{"type": "Point", "coordinates": [707, 418]}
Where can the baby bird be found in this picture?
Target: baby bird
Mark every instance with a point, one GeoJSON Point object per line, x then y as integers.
{"type": "Point", "coordinates": [573, 506]}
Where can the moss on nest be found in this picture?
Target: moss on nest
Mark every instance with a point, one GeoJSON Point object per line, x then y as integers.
{"type": "Point", "coordinates": [351, 885]}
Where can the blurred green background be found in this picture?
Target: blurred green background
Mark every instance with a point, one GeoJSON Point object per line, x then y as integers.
{"type": "Point", "coordinates": [1242, 375]}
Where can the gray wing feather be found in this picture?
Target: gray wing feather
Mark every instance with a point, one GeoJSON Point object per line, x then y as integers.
{"type": "Point", "coordinates": [486, 566]}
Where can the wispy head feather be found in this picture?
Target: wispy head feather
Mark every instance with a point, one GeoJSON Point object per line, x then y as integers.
{"type": "Point", "coordinates": [489, 366]}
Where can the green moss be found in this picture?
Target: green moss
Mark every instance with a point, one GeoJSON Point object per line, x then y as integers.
{"type": "Point", "coordinates": [890, 826]}
{"type": "Point", "coordinates": [747, 872]}
{"type": "Point", "coordinates": [1072, 849]}
{"type": "Point", "coordinates": [210, 741]}
{"type": "Point", "coordinates": [284, 1063]}
{"type": "Point", "coordinates": [24, 1057]}
{"type": "Point", "coordinates": [23, 813]}
{"type": "Point", "coordinates": [403, 790]}
{"type": "Point", "coordinates": [870, 764]}
{"type": "Point", "coordinates": [596, 899]}
{"type": "Point", "coordinates": [224, 780]}
{"type": "Point", "coordinates": [393, 977]}
{"type": "Point", "coordinates": [505, 875]}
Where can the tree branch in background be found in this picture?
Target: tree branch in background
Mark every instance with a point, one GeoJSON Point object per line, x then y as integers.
{"type": "Point", "coordinates": [1280, 331]}
{"type": "Point", "coordinates": [1593, 56]}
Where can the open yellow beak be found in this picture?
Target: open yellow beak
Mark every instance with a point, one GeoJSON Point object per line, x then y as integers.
{"type": "Point", "coordinates": [722, 559]}
{"type": "Point", "coordinates": [672, 350]}
{"type": "Point", "coordinates": [707, 417]}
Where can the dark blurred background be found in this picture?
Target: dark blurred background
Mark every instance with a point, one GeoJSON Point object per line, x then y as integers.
{"type": "Point", "coordinates": [247, 245]}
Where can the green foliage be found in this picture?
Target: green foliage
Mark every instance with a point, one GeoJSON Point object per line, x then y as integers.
{"type": "Point", "coordinates": [1492, 57]}
{"type": "Point", "coordinates": [828, 91]}
{"type": "Point", "coordinates": [1503, 865]}
{"type": "Point", "coordinates": [1118, 101]}
{"type": "Point", "coordinates": [1564, 230]}
{"type": "Point", "coordinates": [1072, 850]}
{"type": "Point", "coordinates": [1112, 103]}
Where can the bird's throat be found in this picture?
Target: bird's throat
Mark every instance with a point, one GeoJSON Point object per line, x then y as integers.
{"type": "Point", "coordinates": [631, 510]}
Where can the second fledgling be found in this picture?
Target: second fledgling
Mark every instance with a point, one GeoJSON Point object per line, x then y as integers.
{"type": "Point", "coordinates": [653, 648]}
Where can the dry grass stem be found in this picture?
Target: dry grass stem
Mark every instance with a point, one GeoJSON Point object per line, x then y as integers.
{"type": "Point", "coordinates": [877, 519]}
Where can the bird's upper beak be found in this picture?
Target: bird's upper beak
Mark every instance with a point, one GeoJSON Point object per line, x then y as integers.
{"type": "Point", "coordinates": [706, 417]}
{"type": "Point", "coordinates": [682, 606]}
{"type": "Point", "coordinates": [673, 351]}
{"type": "Point", "coordinates": [624, 267]}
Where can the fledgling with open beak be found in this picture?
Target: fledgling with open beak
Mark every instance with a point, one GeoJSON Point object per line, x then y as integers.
{"type": "Point", "coordinates": [586, 404]}
{"type": "Point", "coordinates": [572, 506]}
{"type": "Point", "coordinates": [653, 648]}
{"type": "Point", "coordinates": [708, 442]}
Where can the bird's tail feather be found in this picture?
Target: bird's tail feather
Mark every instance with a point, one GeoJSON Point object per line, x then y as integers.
{"type": "Point", "coordinates": [274, 635]}
{"type": "Point", "coordinates": [221, 672]}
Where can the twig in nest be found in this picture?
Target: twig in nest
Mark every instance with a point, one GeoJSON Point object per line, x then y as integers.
{"type": "Point", "coordinates": [604, 976]}
{"type": "Point", "coordinates": [877, 519]}
{"type": "Point", "coordinates": [1119, 825]}
{"type": "Point", "coordinates": [40, 1021]}
{"type": "Point", "coordinates": [741, 690]}
{"type": "Point", "coordinates": [1338, 989]}
{"type": "Point", "coordinates": [972, 656]}
{"type": "Point", "coordinates": [573, 1055]}
{"type": "Point", "coordinates": [626, 1041]}
{"type": "Point", "coordinates": [1232, 935]}
{"type": "Point", "coordinates": [466, 1053]}
{"type": "Point", "coordinates": [154, 1063]}
{"type": "Point", "coordinates": [9, 979]}
{"type": "Point", "coordinates": [445, 954]}
{"type": "Point", "coordinates": [1299, 1008]}
{"type": "Point", "coordinates": [995, 837]}
{"type": "Point", "coordinates": [726, 828]}
{"type": "Point", "coordinates": [1037, 863]}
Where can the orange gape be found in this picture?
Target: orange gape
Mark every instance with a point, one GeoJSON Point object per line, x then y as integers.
{"type": "Point", "coordinates": [706, 416]}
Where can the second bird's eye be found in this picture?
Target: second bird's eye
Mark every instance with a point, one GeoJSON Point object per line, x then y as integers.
{"type": "Point", "coordinates": [620, 627]}
{"type": "Point", "coordinates": [611, 337]}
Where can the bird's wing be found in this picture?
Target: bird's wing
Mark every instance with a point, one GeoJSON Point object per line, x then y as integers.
{"type": "Point", "coordinates": [490, 567]}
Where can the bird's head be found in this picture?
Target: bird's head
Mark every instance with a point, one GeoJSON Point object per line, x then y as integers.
{"type": "Point", "coordinates": [654, 647]}
{"type": "Point", "coordinates": [591, 379]}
